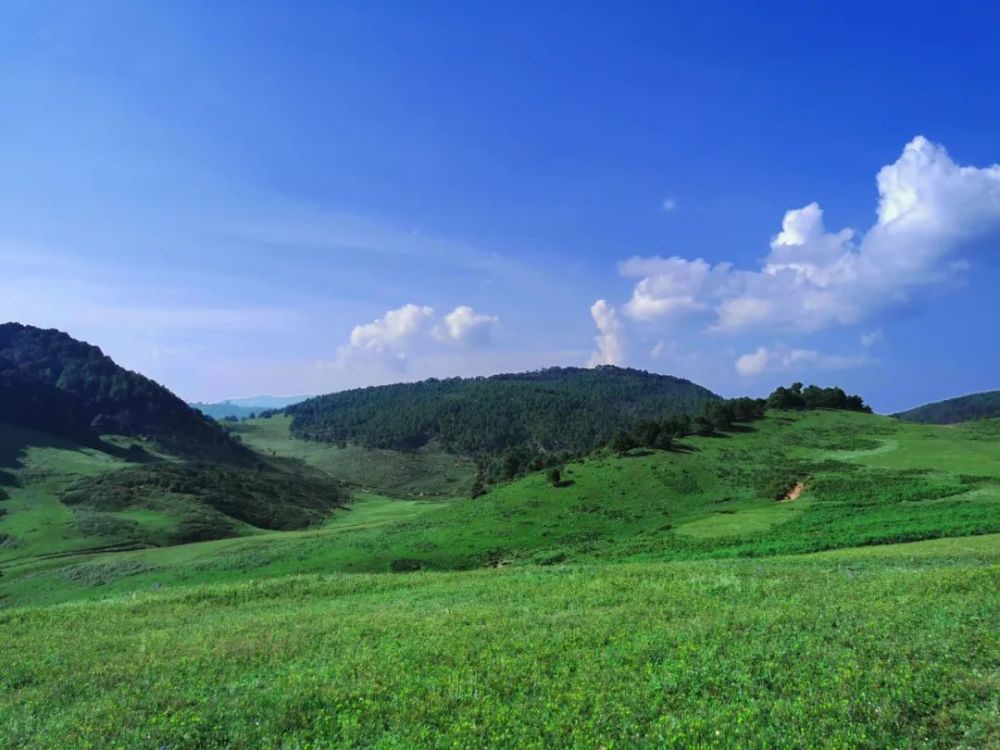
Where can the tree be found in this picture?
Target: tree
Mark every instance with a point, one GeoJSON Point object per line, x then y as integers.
{"type": "Point", "coordinates": [478, 487]}
{"type": "Point", "coordinates": [703, 426]}
{"type": "Point", "coordinates": [664, 441]}
{"type": "Point", "coordinates": [555, 476]}
{"type": "Point", "coordinates": [622, 442]}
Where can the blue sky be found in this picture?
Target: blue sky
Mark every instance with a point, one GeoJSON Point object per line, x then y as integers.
{"type": "Point", "coordinates": [240, 197]}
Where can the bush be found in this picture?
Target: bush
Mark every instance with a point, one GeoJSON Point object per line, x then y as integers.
{"type": "Point", "coordinates": [404, 565]}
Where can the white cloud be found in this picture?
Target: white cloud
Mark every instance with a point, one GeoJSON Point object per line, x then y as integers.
{"type": "Point", "coordinates": [610, 341]}
{"type": "Point", "coordinates": [464, 324]}
{"type": "Point", "coordinates": [394, 332]}
{"type": "Point", "coordinates": [415, 329]}
{"type": "Point", "coordinates": [668, 205]}
{"type": "Point", "coordinates": [752, 364]}
{"type": "Point", "coordinates": [930, 210]}
{"type": "Point", "coordinates": [782, 360]}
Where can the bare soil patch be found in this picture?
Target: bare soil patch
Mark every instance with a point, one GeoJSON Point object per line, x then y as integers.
{"type": "Point", "coordinates": [794, 493]}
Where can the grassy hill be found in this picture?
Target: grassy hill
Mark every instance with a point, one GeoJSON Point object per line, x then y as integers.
{"type": "Point", "coordinates": [96, 458]}
{"type": "Point", "coordinates": [429, 471]}
{"type": "Point", "coordinates": [59, 497]}
{"type": "Point", "coordinates": [867, 480]}
{"type": "Point", "coordinates": [814, 578]}
{"type": "Point", "coordinates": [953, 410]}
{"type": "Point", "coordinates": [559, 409]}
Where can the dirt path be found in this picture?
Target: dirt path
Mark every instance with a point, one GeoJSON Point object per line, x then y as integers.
{"type": "Point", "coordinates": [794, 493]}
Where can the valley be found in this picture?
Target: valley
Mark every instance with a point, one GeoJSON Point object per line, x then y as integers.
{"type": "Point", "coordinates": [750, 573]}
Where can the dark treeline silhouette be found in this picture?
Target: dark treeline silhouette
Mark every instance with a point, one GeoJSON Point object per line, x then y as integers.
{"type": "Point", "coordinates": [814, 397]}
{"type": "Point", "coordinates": [954, 410]}
{"type": "Point", "coordinates": [52, 382]}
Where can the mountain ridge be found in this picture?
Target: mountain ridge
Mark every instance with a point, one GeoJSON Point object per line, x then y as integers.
{"type": "Point", "coordinates": [972, 406]}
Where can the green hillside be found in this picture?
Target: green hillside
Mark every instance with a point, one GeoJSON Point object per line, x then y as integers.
{"type": "Point", "coordinates": [59, 497]}
{"type": "Point", "coordinates": [558, 409]}
{"type": "Point", "coordinates": [429, 471]}
{"type": "Point", "coordinates": [96, 458]}
{"type": "Point", "coordinates": [873, 647]}
{"type": "Point", "coordinates": [953, 410]}
{"type": "Point", "coordinates": [865, 480]}
{"type": "Point", "coordinates": [814, 578]}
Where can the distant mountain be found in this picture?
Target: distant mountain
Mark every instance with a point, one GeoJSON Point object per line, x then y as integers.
{"type": "Point", "coordinates": [241, 408]}
{"type": "Point", "coordinates": [952, 410]}
{"type": "Point", "coordinates": [53, 382]}
{"type": "Point", "coordinates": [555, 409]}
{"type": "Point", "coordinates": [267, 402]}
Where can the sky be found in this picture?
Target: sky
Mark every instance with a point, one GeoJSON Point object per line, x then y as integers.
{"type": "Point", "coordinates": [238, 198]}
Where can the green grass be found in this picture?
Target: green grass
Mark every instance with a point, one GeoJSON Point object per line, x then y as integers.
{"type": "Point", "coordinates": [429, 472]}
{"type": "Point", "coordinates": [881, 647]}
{"type": "Point", "coordinates": [714, 500]}
{"type": "Point", "coordinates": [655, 600]}
{"type": "Point", "coordinates": [39, 469]}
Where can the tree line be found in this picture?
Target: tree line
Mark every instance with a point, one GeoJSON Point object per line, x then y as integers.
{"type": "Point", "coordinates": [723, 415]}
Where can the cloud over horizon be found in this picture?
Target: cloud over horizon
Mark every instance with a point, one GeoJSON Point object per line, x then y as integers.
{"type": "Point", "coordinates": [931, 213]}
{"type": "Point", "coordinates": [418, 329]}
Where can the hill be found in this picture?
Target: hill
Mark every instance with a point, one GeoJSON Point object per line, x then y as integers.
{"type": "Point", "coordinates": [865, 480]}
{"type": "Point", "coordinates": [53, 382]}
{"type": "Point", "coordinates": [225, 410]}
{"type": "Point", "coordinates": [95, 457]}
{"type": "Point", "coordinates": [953, 410]}
{"type": "Point", "coordinates": [558, 409]}
{"type": "Point", "coordinates": [825, 575]}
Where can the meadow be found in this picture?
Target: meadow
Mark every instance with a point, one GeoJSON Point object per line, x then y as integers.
{"type": "Point", "coordinates": [868, 480]}
{"type": "Point", "coordinates": [893, 646]}
{"type": "Point", "coordinates": [651, 599]}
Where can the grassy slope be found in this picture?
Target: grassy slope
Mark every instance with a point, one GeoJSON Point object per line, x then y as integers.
{"type": "Point", "coordinates": [40, 473]}
{"type": "Point", "coordinates": [839, 649]}
{"type": "Point", "coordinates": [426, 472]}
{"type": "Point", "coordinates": [876, 646]}
{"type": "Point", "coordinates": [869, 480]}
{"type": "Point", "coordinates": [40, 468]}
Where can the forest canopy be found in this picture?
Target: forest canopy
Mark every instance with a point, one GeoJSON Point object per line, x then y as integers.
{"type": "Point", "coordinates": [557, 409]}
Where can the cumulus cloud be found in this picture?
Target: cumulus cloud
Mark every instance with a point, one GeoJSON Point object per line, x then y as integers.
{"type": "Point", "coordinates": [930, 210]}
{"type": "Point", "coordinates": [668, 205]}
{"type": "Point", "coordinates": [416, 328]}
{"type": "Point", "coordinates": [394, 332]}
{"type": "Point", "coordinates": [463, 324]}
{"type": "Point", "coordinates": [783, 360]}
{"type": "Point", "coordinates": [610, 340]}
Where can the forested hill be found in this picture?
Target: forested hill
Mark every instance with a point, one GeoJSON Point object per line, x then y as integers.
{"type": "Point", "coordinates": [53, 382]}
{"type": "Point", "coordinates": [568, 409]}
{"type": "Point", "coordinates": [962, 409]}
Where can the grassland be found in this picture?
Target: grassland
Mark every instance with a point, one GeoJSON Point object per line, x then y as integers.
{"type": "Point", "coordinates": [428, 472]}
{"type": "Point", "coordinates": [869, 480]}
{"type": "Point", "coordinates": [877, 647]}
{"type": "Point", "coordinates": [655, 599]}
